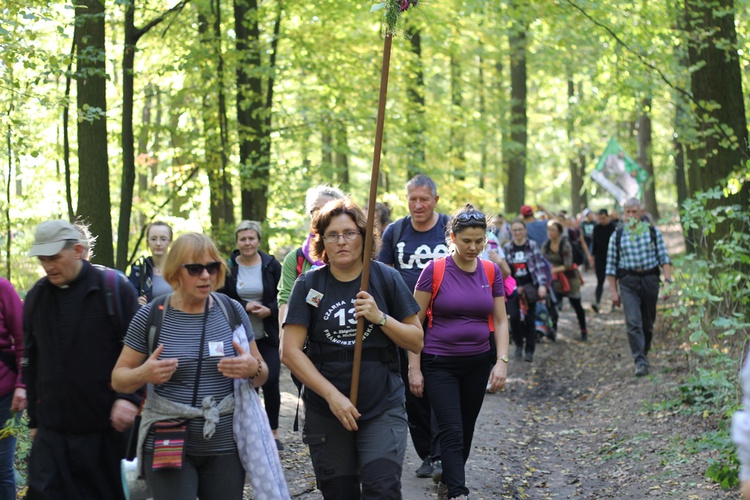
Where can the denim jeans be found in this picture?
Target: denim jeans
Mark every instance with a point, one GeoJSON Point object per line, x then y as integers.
{"type": "Point", "coordinates": [210, 477]}
{"type": "Point", "coordinates": [7, 453]}
{"type": "Point", "coordinates": [456, 387]}
{"type": "Point", "coordinates": [639, 296]}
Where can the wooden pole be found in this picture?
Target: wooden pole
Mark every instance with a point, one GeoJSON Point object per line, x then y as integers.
{"type": "Point", "coordinates": [353, 393]}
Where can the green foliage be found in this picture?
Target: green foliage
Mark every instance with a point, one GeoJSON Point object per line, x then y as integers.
{"type": "Point", "coordinates": [712, 285]}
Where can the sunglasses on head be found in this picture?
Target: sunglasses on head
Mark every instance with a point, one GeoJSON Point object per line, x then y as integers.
{"type": "Point", "coordinates": [197, 269]}
{"type": "Point", "coordinates": [467, 216]}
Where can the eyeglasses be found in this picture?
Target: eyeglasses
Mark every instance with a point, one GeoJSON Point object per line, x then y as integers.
{"type": "Point", "coordinates": [467, 216]}
{"type": "Point", "coordinates": [334, 237]}
{"type": "Point", "coordinates": [196, 270]}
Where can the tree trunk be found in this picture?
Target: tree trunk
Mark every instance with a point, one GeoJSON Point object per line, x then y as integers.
{"type": "Point", "coordinates": [644, 158]}
{"type": "Point", "coordinates": [415, 110]}
{"type": "Point", "coordinates": [574, 165]}
{"type": "Point", "coordinates": [252, 112]}
{"type": "Point", "coordinates": [144, 157]}
{"type": "Point", "coordinates": [500, 138]}
{"type": "Point", "coordinates": [94, 204]}
{"type": "Point", "coordinates": [458, 136]}
{"type": "Point", "coordinates": [226, 205]}
{"type": "Point", "coordinates": [717, 79]}
{"type": "Point", "coordinates": [326, 140]}
{"type": "Point", "coordinates": [341, 157]}
{"type": "Point", "coordinates": [515, 151]}
{"type": "Point", "coordinates": [483, 160]}
{"type": "Point", "coordinates": [127, 137]}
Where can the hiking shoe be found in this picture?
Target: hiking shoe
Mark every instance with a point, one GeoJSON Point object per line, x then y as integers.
{"type": "Point", "coordinates": [595, 307]}
{"type": "Point", "coordinates": [425, 470]}
{"type": "Point", "coordinates": [279, 445]}
{"type": "Point", "coordinates": [584, 336]}
{"type": "Point", "coordinates": [641, 370]}
{"type": "Point", "coordinates": [442, 491]}
{"type": "Point", "coordinates": [519, 353]}
{"type": "Point", "coordinates": [437, 471]}
{"type": "Point", "coordinates": [529, 357]}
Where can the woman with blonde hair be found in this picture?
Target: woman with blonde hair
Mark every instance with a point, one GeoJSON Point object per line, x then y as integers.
{"type": "Point", "coordinates": [192, 371]}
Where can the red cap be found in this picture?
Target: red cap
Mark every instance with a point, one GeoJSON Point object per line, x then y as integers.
{"type": "Point", "coordinates": [527, 211]}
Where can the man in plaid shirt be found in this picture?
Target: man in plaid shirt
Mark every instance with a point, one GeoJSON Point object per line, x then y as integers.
{"type": "Point", "coordinates": [635, 267]}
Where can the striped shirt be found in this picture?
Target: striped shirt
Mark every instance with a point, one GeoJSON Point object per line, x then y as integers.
{"type": "Point", "coordinates": [636, 250]}
{"type": "Point", "coordinates": [180, 334]}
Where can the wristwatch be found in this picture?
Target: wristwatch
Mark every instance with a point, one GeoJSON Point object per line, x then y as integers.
{"type": "Point", "coordinates": [384, 320]}
{"type": "Point", "coordinates": [505, 358]}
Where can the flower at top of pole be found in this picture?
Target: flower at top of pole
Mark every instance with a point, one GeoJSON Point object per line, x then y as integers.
{"type": "Point", "coordinates": [393, 10]}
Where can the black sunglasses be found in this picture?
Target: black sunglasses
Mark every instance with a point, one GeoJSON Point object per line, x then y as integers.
{"type": "Point", "coordinates": [197, 269]}
{"type": "Point", "coordinates": [467, 216]}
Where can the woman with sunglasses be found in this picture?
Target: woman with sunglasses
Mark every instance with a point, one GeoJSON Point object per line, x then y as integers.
{"type": "Point", "coordinates": [527, 267]}
{"type": "Point", "coordinates": [146, 273]}
{"type": "Point", "coordinates": [184, 371]}
{"type": "Point", "coordinates": [252, 281]}
{"type": "Point", "coordinates": [456, 362]}
{"type": "Point", "coordinates": [356, 451]}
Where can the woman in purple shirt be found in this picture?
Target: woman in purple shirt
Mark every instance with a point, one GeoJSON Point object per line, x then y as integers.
{"type": "Point", "coordinates": [456, 361]}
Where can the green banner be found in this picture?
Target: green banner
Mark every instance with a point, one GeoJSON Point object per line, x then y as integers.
{"type": "Point", "coordinates": [618, 173]}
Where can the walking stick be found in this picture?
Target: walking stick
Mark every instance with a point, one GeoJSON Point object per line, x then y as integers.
{"type": "Point", "coordinates": [353, 393]}
{"type": "Point", "coordinates": [393, 10]}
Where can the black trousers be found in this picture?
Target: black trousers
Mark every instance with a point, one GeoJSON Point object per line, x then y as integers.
{"type": "Point", "coordinates": [422, 423]}
{"type": "Point", "coordinates": [81, 466]}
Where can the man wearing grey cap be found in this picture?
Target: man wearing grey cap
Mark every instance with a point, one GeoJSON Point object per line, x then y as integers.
{"type": "Point", "coordinates": [73, 339]}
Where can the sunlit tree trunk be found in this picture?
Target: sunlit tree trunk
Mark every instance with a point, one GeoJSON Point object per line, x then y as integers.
{"type": "Point", "coordinates": [94, 204]}
{"type": "Point", "coordinates": [514, 152]}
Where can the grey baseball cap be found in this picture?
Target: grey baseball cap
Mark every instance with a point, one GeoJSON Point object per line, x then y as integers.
{"type": "Point", "coordinates": [51, 236]}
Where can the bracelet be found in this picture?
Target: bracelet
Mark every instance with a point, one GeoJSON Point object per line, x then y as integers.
{"type": "Point", "coordinates": [260, 368]}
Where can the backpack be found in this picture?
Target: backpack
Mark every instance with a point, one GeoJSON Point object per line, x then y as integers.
{"type": "Point", "coordinates": [154, 323]}
{"type": "Point", "coordinates": [317, 279]}
{"type": "Point", "coordinates": [300, 260]}
{"type": "Point", "coordinates": [579, 256]}
{"type": "Point", "coordinates": [438, 271]}
{"type": "Point", "coordinates": [113, 301]}
{"type": "Point", "coordinates": [159, 308]}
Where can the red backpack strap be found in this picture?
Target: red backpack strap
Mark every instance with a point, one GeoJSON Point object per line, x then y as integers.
{"type": "Point", "coordinates": [438, 271]}
{"type": "Point", "coordinates": [489, 271]}
{"type": "Point", "coordinates": [300, 260]}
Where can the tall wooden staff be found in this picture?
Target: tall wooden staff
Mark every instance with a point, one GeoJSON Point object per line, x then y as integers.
{"type": "Point", "coordinates": [393, 10]}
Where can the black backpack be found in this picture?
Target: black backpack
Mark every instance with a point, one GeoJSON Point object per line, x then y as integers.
{"type": "Point", "coordinates": [579, 256]}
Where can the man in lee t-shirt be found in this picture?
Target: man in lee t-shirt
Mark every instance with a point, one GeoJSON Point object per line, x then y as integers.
{"type": "Point", "coordinates": [409, 244]}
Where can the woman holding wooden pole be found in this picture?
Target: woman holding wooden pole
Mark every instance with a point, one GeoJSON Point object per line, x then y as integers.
{"type": "Point", "coordinates": [358, 449]}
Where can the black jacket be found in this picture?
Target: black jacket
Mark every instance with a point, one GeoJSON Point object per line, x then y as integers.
{"type": "Point", "coordinates": [72, 344]}
{"type": "Point", "coordinates": [271, 272]}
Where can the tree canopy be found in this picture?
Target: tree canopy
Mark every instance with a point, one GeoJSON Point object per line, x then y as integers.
{"type": "Point", "coordinates": [217, 110]}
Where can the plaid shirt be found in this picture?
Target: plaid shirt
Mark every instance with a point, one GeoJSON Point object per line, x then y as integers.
{"type": "Point", "coordinates": [636, 250]}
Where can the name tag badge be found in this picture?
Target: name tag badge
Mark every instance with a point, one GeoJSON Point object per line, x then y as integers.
{"type": "Point", "coordinates": [314, 297]}
{"type": "Point", "coordinates": [216, 348]}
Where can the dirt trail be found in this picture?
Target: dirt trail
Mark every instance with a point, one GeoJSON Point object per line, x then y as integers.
{"type": "Point", "coordinates": [575, 423]}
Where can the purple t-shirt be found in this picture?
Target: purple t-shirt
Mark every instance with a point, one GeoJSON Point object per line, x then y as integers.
{"type": "Point", "coordinates": [461, 310]}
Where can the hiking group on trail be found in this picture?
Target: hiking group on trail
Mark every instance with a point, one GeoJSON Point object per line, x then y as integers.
{"type": "Point", "coordinates": [164, 368]}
